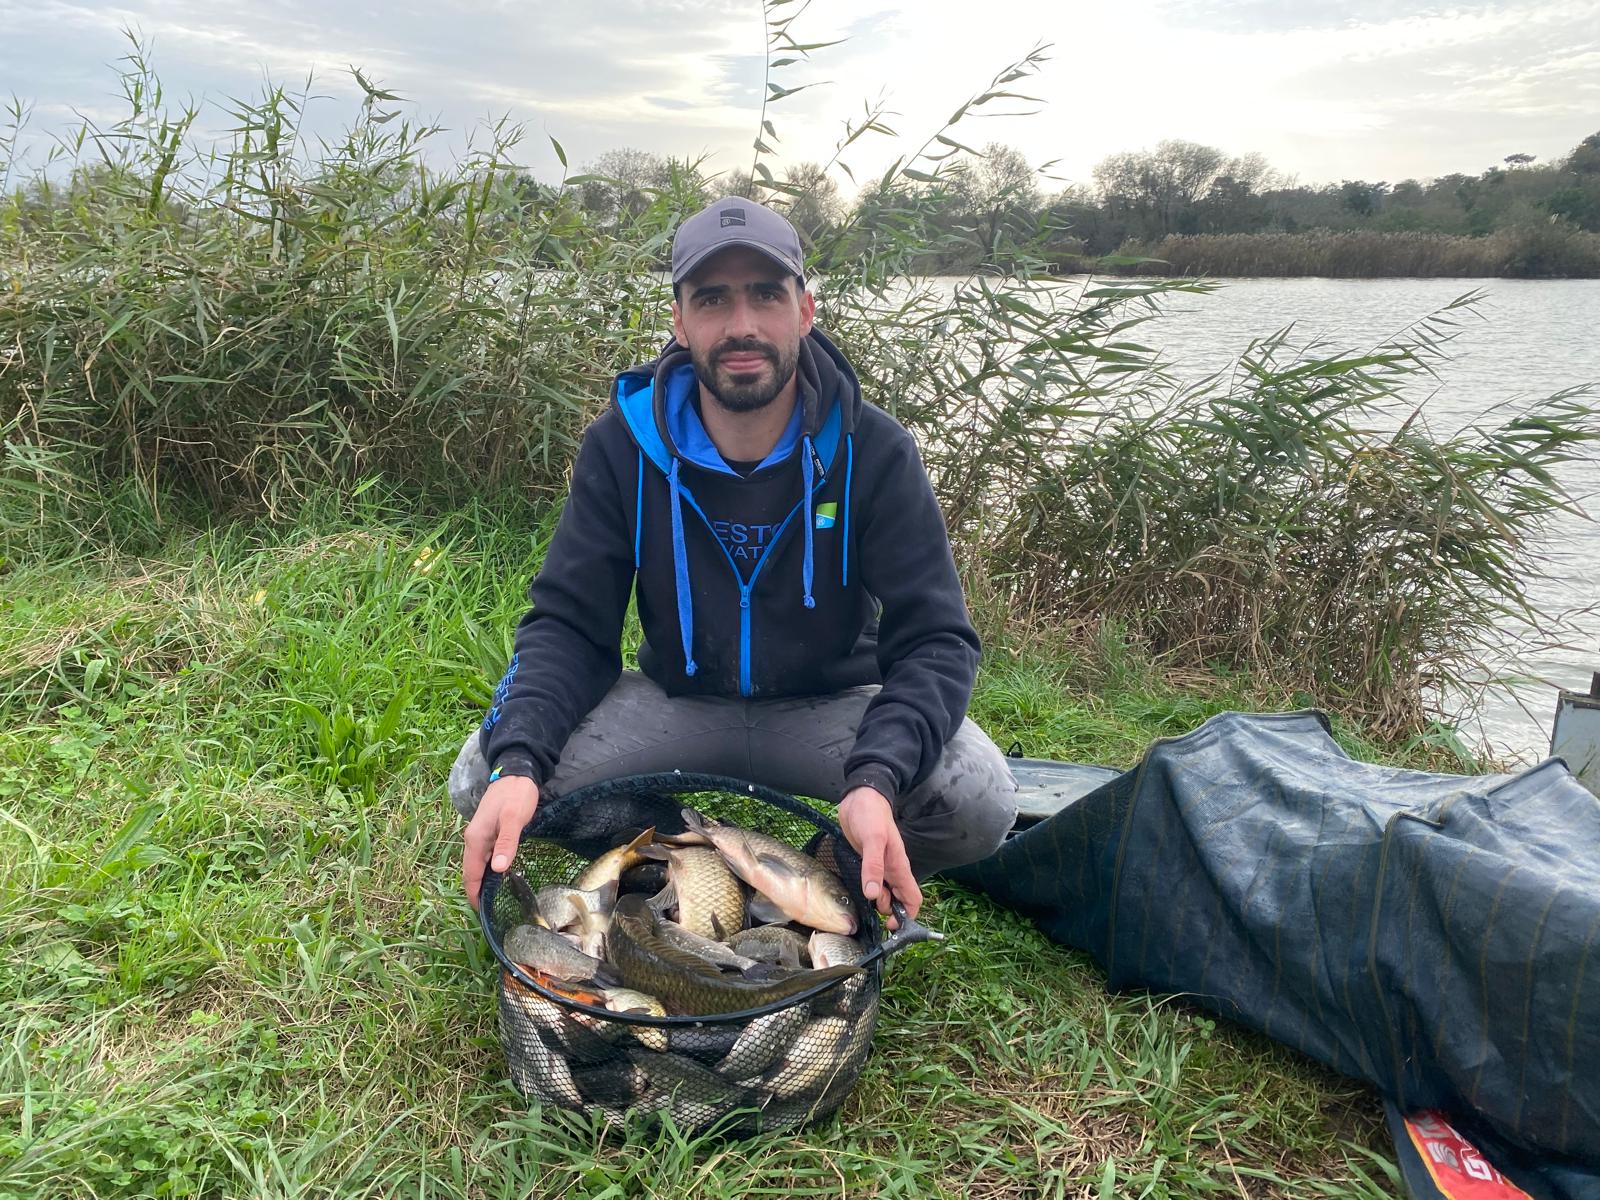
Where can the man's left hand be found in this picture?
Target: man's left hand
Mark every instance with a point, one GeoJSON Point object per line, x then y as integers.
{"type": "Point", "coordinates": [868, 822]}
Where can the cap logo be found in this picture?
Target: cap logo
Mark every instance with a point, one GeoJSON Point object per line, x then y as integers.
{"type": "Point", "coordinates": [732, 216]}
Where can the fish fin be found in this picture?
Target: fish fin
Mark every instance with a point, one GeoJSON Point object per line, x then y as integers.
{"type": "Point", "coordinates": [717, 928]}
{"type": "Point", "coordinates": [666, 898]}
{"type": "Point", "coordinates": [523, 892]}
{"type": "Point", "coordinates": [657, 850]}
{"type": "Point", "coordinates": [765, 911]}
{"type": "Point", "coordinates": [644, 839]}
{"type": "Point", "coordinates": [773, 863]}
{"type": "Point", "coordinates": [693, 821]}
{"type": "Point", "coordinates": [679, 840]}
{"type": "Point", "coordinates": [605, 897]}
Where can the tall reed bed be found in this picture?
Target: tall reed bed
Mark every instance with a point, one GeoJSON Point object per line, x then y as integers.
{"type": "Point", "coordinates": [244, 323]}
{"type": "Point", "coordinates": [241, 326]}
{"type": "Point", "coordinates": [1294, 517]}
{"type": "Point", "coordinates": [1525, 252]}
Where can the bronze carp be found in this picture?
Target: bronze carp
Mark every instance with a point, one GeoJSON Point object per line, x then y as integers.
{"type": "Point", "coordinates": [608, 868]}
{"type": "Point", "coordinates": [801, 888]}
{"type": "Point", "coordinates": [685, 983]}
{"type": "Point", "coordinates": [707, 896]}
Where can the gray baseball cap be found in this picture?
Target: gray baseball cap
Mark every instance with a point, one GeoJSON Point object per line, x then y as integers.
{"type": "Point", "coordinates": [735, 221]}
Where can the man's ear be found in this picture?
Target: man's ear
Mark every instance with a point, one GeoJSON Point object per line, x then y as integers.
{"type": "Point", "coordinates": [677, 324]}
{"type": "Point", "coordinates": [808, 311]}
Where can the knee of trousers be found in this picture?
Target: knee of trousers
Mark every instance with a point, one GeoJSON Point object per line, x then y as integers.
{"type": "Point", "coordinates": [968, 814]}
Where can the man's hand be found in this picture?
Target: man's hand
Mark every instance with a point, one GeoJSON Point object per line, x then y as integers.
{"type": "Point", "coordinates": [868, 822]}
{"type": "Point", "coordinates": [507, 805]}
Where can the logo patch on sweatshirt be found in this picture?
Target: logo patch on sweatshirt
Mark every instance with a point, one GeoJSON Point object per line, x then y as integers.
{"type": "Point", "coordinates": [827, 514]}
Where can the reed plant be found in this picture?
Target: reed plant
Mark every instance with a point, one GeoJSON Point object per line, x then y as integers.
{"type": "Point", "coordinates": [234, 327]}
{"type": "Point", "coordinates": [1547, 251]}
{"type": "Point", "coordinates": [247, 321]}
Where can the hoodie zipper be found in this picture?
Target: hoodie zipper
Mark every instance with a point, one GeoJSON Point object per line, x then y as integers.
{"type": "Point", "coordinates": [745, 589]}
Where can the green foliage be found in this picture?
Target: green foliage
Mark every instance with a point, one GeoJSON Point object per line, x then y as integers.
{"type": "Point", "coordinates": [232, 970]}
{"type": "Point", "coordinates": [243, 324]}
{"type": "Point", "coordinates": [229, 331]}
{"type": "Point", "coordinates": [1542, 251]}
{"type": "Point", "coordinates": [1225, 216]}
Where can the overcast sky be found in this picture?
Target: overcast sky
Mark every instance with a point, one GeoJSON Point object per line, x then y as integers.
{"type": "Point", "coordinates": [1325, 89]}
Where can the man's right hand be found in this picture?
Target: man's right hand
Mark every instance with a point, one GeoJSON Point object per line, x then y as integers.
{"type": "Point", "coordinates": [491, 836]}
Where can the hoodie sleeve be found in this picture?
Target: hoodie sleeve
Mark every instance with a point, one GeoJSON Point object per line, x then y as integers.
{"type": "Point", "coordinates": [927, 649]}
{"type": "Point", "coordinates": [568, 645]}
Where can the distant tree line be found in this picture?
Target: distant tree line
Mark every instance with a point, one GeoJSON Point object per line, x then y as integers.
{"type": "Point", "coordinates": [1188, 205]}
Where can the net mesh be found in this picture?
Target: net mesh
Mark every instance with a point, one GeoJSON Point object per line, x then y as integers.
{"type": "Point", "coordinates": [787, 1066]}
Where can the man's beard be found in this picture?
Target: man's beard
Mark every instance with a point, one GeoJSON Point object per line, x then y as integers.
{"type": "Point", "coordinates": [753, 393]}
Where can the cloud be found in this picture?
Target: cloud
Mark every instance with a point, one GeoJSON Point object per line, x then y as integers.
{"type": "Point", "coordinates": [1325, 88]}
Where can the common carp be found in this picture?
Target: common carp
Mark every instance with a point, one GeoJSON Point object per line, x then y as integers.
{"type": "Point", "coordinates": [801, 888]}
{"type": "Point", "coordinates": [608, 868]}
{"type": "Point", "coordinates": [709, 899]}
{"type": "Point", "coordinates": [685, 983]}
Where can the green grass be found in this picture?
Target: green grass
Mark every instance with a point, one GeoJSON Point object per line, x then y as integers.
{"type": "Point", "coordinates": [237, 961]}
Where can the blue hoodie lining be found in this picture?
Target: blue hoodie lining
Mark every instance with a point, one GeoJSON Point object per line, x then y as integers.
{"type": "Point", "coordinates": [635, 400]}
{"type": "Point", "coordinates": [689, 434]}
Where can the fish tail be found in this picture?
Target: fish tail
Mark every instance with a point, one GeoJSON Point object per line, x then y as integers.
{"type": "Point", "coordinates": [802, 982]}
{"type": "Point", "coordinates": [522, 891]}
{"type": "Point", "coordinates": [644, 839]}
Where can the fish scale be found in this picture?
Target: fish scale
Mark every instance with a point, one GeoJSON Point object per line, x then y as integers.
{"type": "Point", "coordinates": [710, 901]}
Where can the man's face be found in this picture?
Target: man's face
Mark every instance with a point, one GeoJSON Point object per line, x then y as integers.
{"type": "Point", "coordinates": [742, 316]}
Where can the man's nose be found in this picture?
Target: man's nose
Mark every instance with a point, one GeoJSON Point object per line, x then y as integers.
{"type": "Point", "coordinates": [742, 319]}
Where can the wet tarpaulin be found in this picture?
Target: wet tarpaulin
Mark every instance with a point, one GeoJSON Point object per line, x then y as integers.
{"type": "Point", "coordinates": [1432, 934]}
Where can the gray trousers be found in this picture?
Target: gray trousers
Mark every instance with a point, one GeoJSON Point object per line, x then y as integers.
{"type": "Point", "coordinates": [959, 814]}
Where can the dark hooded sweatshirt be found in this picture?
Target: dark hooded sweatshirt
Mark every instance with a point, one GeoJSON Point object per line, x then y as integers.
{"type": "Point", "coordinates": [759, 586]}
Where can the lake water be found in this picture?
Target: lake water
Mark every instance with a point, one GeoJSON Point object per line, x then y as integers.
{"type": "Point", "coordinates": [1535, 338]}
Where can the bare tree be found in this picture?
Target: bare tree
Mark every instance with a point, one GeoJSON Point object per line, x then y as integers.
{"type": "Point", "coordinates": [627, 179]}
{"type": "Point", "coordinates": [814, 203]}
{"type": "Point", "coordinates": [1162, 183]}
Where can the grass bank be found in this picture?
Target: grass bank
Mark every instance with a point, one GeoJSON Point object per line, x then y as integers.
{"type": "Point", "coordinates": [238, 962]}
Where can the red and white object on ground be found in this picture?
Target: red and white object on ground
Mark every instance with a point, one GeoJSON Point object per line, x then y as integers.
{"type": "Point", "coordinates": [1458, 1170]}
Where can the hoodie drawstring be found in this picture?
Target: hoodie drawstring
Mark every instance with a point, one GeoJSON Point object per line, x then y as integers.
{"type": "Point", "coordinates": [844, 553]}
{"type": "Point", "coordinates": [638, 513]}
{"type": "Point", "coordinates": [680, 566]}
{"type": "Point", "coordinates": [805, 474]}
